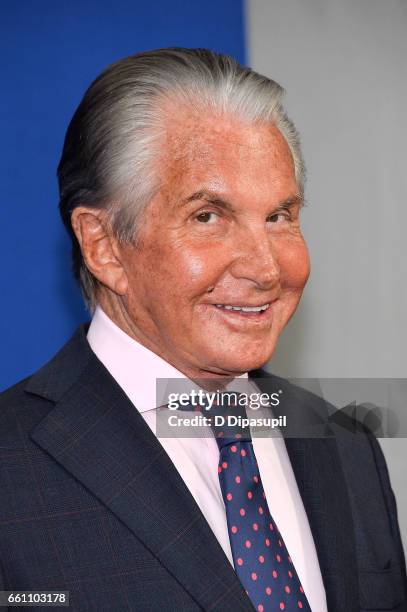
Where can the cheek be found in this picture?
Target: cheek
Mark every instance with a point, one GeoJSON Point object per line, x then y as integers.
{"type": "Point", "coordinates": [294, 264]}
{"type": "Point", "coordinates": [192, 271]}
{"type": "Point", "coordinates": [195, 267]}
{"type": "Point", "coordinates": [179, 271]}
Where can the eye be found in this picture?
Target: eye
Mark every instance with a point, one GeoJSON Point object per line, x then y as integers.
{"type": "Point", "coordinates": [206, 216]}
{"type": "Point", "coordinates": [278, 217]}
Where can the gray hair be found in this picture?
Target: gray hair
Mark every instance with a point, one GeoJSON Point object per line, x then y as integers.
{"type": "Point", "coordinates": [115, 132]}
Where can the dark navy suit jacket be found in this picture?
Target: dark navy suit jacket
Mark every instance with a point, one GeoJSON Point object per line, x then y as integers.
{"type": "Point", "coordinates": [91, 503]}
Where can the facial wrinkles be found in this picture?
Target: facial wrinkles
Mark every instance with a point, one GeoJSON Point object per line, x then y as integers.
{"type": "Point", "coordinates": [184, 269]}
{"type": "Point", "coordinates": [193, 158]}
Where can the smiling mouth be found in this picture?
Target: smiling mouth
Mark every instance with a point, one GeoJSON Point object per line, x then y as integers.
{"type": "Point", "coordinates": [244, 309]}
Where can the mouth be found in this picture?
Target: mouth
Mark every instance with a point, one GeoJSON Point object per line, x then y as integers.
{"type": "Point", "coordinates": [245, 317]}
{"type": "Point", "coordinates": [243, 309]}
{"type": "Point", "coordinates": [242, 317]}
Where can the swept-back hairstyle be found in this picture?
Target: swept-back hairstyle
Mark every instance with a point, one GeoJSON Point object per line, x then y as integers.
{"type": "Point", "coordinates": [114, 134]}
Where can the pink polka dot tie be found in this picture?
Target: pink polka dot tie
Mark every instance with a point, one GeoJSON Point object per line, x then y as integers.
{"type": "Point", "coordinates": [260, 556]}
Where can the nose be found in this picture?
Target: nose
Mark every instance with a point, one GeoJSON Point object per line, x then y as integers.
{"type": "Point", "coordinates": [256, 259]}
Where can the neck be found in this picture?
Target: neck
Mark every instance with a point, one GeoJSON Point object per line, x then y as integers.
{"type": "Point", "coordinates": [115, 309]}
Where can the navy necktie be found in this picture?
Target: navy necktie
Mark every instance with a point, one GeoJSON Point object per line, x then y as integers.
{"type": "Point", "coordinates": [261, 559]}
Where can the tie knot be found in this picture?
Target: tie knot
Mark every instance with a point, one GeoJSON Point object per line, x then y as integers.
{"type": "Point", "coordinates": [228, 418]}
{"type": "Point", "coordinates": [226, 414]}
{"type": "Point", "coordinates": [238, 441]}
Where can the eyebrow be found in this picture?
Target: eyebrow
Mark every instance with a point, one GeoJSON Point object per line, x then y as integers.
{"type": "Point", "coordinates": [213, 198]}
{"type": "Point", "coordinates": [209, 196]}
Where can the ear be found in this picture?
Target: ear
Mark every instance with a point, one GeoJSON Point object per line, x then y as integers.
{"type": "Point", "coordinates": [99, 247]}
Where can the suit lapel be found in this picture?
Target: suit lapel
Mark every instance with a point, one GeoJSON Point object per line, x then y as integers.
{"type": "Point", "coordinates": [98, 436]}
{"type": "Point", "coordinates": [318, 472]}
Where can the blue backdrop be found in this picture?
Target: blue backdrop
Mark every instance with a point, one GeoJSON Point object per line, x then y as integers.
{"type": "Point", "coordinates": [50, 52]}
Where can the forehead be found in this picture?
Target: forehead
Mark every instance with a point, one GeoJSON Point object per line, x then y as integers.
{"type": "Point", "coordinates": [225, 153]}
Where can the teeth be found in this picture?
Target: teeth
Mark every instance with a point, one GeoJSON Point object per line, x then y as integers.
{"type": "Point", "coordinates": [244, 308]}
{"type": "Point", "coordinates": [254, 308]}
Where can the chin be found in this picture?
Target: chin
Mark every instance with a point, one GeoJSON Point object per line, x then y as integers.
{"type": "Point", "coordinates": [239, 364]}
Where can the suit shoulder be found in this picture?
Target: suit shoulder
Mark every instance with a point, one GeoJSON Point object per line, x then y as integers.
{"type": "Point", "coordinates": [19, 413]}
{"type": "Point", "coordinates": [13, 392]}
{"type": "Point", "coordinates": [13, 397]}
{"type": "Point", "coordinates": [25, 403]}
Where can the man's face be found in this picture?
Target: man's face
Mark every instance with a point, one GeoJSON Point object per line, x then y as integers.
{"type": "Point", "coordinates": [223, 231]}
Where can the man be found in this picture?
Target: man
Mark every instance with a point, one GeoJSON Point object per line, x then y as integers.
{"type": "Point", "coordinates": [181, 185]}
